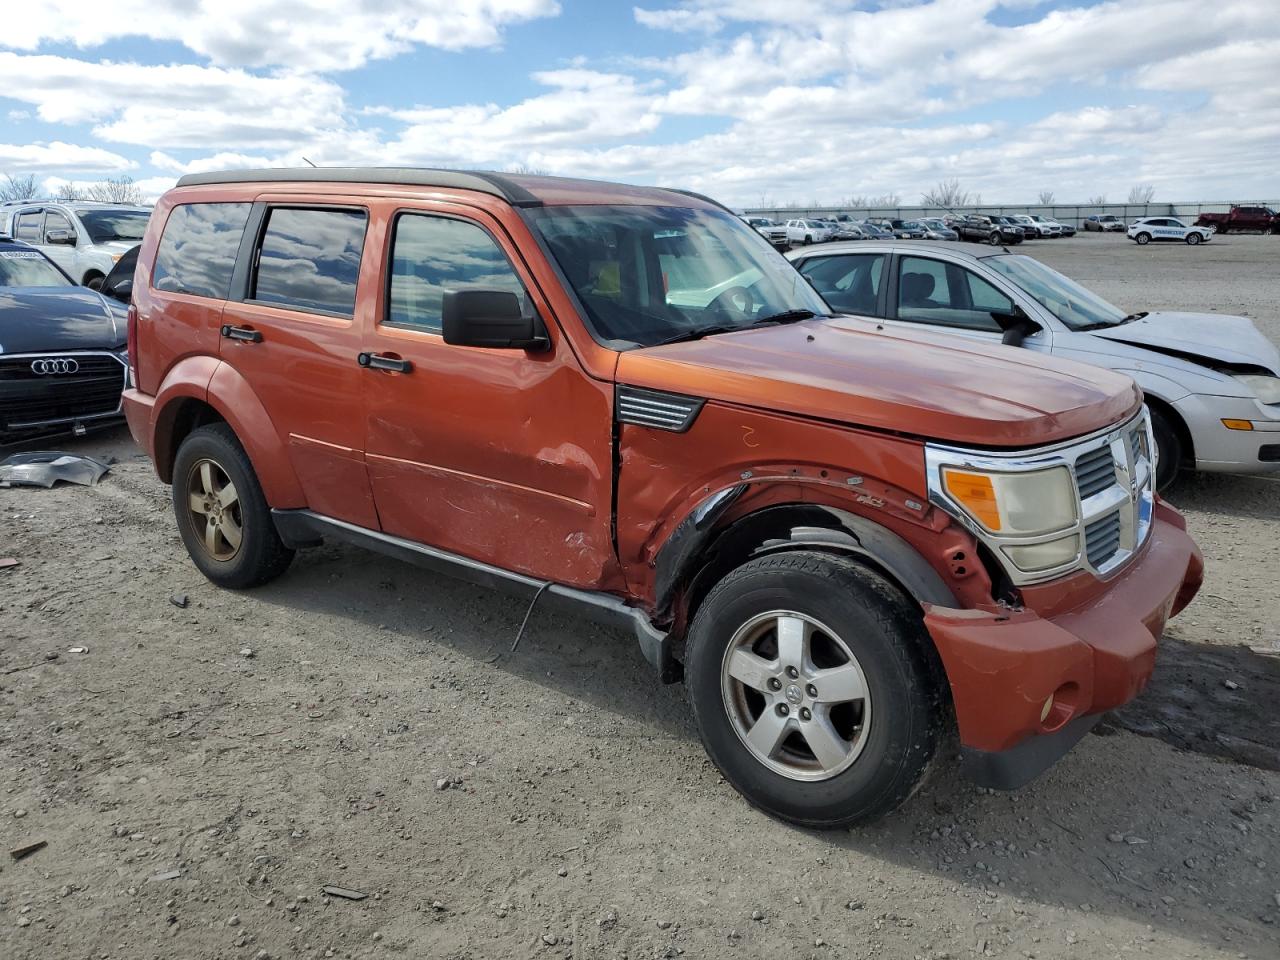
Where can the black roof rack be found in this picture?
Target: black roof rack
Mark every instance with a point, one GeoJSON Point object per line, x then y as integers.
{"type": "Point", "coordinates": [494, 184]}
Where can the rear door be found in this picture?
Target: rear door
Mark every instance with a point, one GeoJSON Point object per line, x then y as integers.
{"type": "Point", "coordinates": [501, 455]}
{"type": "Point", "coordinates": [293, 335]}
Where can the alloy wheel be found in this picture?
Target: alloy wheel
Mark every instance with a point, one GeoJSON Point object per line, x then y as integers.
{"type": "Point", "coordinates": [214, 506]}
{"type": "Point", "coordinates": [796, 695]}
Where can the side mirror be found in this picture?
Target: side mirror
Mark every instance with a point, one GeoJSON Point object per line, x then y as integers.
{"type": "Point", "coordinates": [122, 291]}
{"type": "Point", "coordinates": [491, 318]}
{"type": "Point", "coordinates": [66, 238]}
{"type": "Point", "coordinates": [1017, 326]}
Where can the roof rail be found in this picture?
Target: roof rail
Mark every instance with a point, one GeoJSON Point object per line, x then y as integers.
{"type": "Point", "coordinates": [494, 184]}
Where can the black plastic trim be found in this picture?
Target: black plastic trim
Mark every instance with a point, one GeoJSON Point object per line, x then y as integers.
{"type": "Point", "coordinates": [480, 181]}
{"type": "Point", "coordinates": [1018, 766]}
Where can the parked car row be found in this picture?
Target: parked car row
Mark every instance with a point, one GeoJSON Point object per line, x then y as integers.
{"type": "Point", "coordinates": [86, 239]}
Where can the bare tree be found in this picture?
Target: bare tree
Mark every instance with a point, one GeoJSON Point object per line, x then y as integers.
{"type": "Point", "coordinates": [1099, 201]}
{"type": "Point", "coordinates": [18, 188]}
{"type": "Point", "coordinates": [890, 199]}
{"type": "Point", "coordinates": [1142, 193]}
{"type": "Point", "coordinates": [1046, 197]}
{"type": "Point", "coordinates": [115, 190]}
{"type": "Point", "coordinates": [69, 191]}
{"type": "Point", "coordinates": [947, 193]}
{"type": "Point", "coordinates": [525, 169]}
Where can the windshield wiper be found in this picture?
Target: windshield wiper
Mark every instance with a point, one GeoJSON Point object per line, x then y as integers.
{"type": "Point", "coordinates": [696, 334]}
{"type": "Point", "coordinates": [786, 316]}
{"type": "Point", "coordinates": [1134, 316]}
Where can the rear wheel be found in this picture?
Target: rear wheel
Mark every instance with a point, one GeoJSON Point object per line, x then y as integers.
{"type": "Point", "coordinates": [222, 515]}
{"type": "Point", "coordinates": [1168, 450]}
{"type": "Point", "coordinates": [814, 688]}
{"type": "Point", "coordinates": [1142, 239]}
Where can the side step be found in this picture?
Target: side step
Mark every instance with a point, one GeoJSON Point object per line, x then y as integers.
{"type": "Point", "coordinates": [303, 528]}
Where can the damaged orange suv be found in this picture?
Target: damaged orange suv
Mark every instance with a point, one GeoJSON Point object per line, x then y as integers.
{"type": "Point", "coordinates": [847, 540]}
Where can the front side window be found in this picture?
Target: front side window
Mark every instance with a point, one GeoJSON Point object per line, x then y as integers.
{"type": "Point", "coordinates": [850, 283]}
{"type": "Point", "coordinates": [29, 268]}
{"type": "Point", "coordinates": [197, 251]}
{"type": "Point", "coordinates": [1076, 306]}
{"type": "Point", "coordinates": [947, 295]}
{"type": "Point", "coordinates": [431, 256]}
{"type": "Point", "coordinates": [53, 220]}
{"type": "Point", "coordinates": [27, 226]}
{"type": "Point", "coordinates": [105, 226]}
{"type": "Point", "coordinates": [647, 274]}
{"type": "Point", "coordinates": [310, 259]}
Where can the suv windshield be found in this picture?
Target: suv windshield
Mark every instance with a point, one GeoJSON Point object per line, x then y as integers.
{"type": "Point", "coordinates": [28, 268]}
{"type": "Point", "coordinates": [107, 225]}
{"type": "Point", "coordinates": [1077, 307]}
{"type": "Point", "coordinates": [646, 275]}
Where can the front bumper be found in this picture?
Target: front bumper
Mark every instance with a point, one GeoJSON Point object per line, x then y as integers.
{"type": "Point", "coordinates": [1028, 683]}
{"type": "Point", "coordinates": [1222, 450]}
{"type": "Point", "coordinates": [81, 394]}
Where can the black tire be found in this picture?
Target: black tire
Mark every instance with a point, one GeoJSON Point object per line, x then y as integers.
{"type": "Point", "coordinates": [807, 239]}
{"type": "Point", "coordinates": [903, 677]}
{"type": "Point", "coordinates": [994, 239]}
{"type": "Point", "coordinates": [1142, 239]}
{"type": "Point", "coordinates": [1168, 451]}
{"type": "Point", "coordinates": [93, 280]}
{"type": "Point", "coordinates": [1193, 239]}
{"type": "Point", "coordinates": [260, 555]}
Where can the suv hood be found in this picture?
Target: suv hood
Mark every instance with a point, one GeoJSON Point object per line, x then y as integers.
{"type": "Point", "coordinates": [34, 319]}
{"type": "Point", "coordinates": [1198, 337]}
{"type": "Point", "coordinates": [848, 370]}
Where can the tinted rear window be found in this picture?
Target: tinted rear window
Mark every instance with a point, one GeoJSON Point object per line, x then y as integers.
{"type": "Point", "coordinates": [310, 259]}
{"type": "Point", "coordinates": [198, 249]}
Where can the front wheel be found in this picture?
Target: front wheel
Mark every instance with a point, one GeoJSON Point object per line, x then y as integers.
{"type": "Point", "coordinates": [223, 518]}
{"type": "Point", "coordinates": [1142, 239]}
{"type": "Point", "coordinates": [815, 688]}
{"type": "Point", "coordinates": [1168, 451]}
{"type": "Point", "coordinates": [1193, 238]}
{"type": "Point", "coordinates": [994, 239]}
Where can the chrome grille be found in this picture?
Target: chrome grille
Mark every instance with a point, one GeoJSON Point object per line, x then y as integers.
{"type": "Point", "coordinates": [1095, 471]}
{"type": "Point", "coordinates": [653, 408]}
{"type": "Point", "coordinates": [1102, 539]}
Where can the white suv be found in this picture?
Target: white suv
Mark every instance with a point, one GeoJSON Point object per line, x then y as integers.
{"type": "Point", "coordinates": [85, 239]}
{"type": "Point", "coordinates": [808, 231]}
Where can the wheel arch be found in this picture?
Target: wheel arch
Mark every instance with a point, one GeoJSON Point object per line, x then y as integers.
{"type": "Point", "coordinates": [1171, 414]}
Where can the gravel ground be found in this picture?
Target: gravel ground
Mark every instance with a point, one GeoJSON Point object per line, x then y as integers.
{"type": "Point", "coordinates": [201, 772]}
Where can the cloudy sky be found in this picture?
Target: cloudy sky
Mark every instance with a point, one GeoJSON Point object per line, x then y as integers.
{"type": "Point", "coordinates": [751, 101]}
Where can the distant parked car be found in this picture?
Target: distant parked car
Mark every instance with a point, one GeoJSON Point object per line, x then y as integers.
{"type": "Point", "coordinates": [905, 229]}
{"type": "Point", "coordinates": [85, 239]}
{"type": "Point", "coordinates": [935, 229]}
{"type": "Point", "coordinates": [1211, 381]}
{"type": "Point", "coordinates": [987, 228]}
{"type": "Point", "coordinates": [1066, 229]}
{"type": "Point", "coordinates": [876, 231]}
{"type": "Point", "coordinates": [1032, 229]}
{"type": "Point", "coordinates": [1104, 223]}
{"type": "Point", "coordinates": [775, 233]}
{"type": "Point", "coordinates": [1167, 228]}
{"type": "Point", "coordinates": [808, 231]}
{"type": "Point", "coordinates": [1242, 220]}
{"type": "Point", "coordinates": [1055, 228]}
{"type": "Point", "coordinates": [63, 363]}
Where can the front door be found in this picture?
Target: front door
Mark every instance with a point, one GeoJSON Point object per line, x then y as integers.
{"type": "Point", "coordinates": [500, 455]}
{"type": "Point", "coordinates": [294, 337]}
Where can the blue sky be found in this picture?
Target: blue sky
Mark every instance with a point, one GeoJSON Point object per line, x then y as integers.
{"type": "Point", "coordinates": [751, 101]}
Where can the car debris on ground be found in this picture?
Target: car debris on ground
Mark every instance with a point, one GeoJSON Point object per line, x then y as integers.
{"type": "Point", "coordinates": [44, 468]}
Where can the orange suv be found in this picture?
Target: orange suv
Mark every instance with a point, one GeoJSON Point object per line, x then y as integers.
{"type": "Point", "coordinates": [846, 539]}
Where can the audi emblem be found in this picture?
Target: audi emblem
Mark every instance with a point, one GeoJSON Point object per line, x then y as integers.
{"type": "Point", "coordinates": [54, 366]}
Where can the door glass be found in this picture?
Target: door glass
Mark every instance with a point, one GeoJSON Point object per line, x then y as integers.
{"type": "Point", "coordinates": [53, 220]}
{"type": "Point", "coordinates": [946, 295]}
{"type": "Point", "coordinates": [431, 256]}
{"type": "Point", "coordinates": [850, 283]}
{"type": "Point", "coordinates": [310, 259]}
{"type": "Point", "coordinates": [28, 227]}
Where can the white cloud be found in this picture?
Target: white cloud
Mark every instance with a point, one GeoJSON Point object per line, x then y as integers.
{"type": "Point", "coordinates": [41, 157]}
{"type": "Point", "coordinates": [305, 34]}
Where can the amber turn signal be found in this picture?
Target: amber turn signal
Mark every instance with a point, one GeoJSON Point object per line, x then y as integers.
{"type": "Point", "coordinates": [976, 493]}
{"type": "Point", "coordinates": [1237, 424]}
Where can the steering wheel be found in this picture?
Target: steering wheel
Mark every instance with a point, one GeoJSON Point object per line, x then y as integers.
{"type": "Point", "coordinates": [739, 298]}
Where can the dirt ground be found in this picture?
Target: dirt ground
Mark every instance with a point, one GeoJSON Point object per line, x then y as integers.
{"type": "Point", "coordinates": [201, 772]}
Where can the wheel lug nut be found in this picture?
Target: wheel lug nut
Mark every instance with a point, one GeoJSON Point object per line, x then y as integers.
{"type": "Point", "coordinates": [805, 714]}
{"type": "Point", "coordinates": [811, 690]}
{"type": "Point", "coordinates": [775, 683]}
{"type": "Point", "coordinates": [792, 672]}
{"type": "Point", "coordinates": [783, 710]}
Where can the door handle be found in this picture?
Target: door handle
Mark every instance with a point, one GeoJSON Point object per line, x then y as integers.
{"type": "Point", "coordinates": [380, 361]}
{"type": "Point", "coordinates": [243, 334]}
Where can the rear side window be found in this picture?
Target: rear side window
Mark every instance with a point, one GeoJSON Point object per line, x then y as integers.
{"type": "Point", "coordinates": [433, 255]}
{"type": "Point", "coordinates": [27, 226]}
{"type": "Point", "coordinates": [310, 259]}
{"type": "Point", "coordinates": [198, 249]}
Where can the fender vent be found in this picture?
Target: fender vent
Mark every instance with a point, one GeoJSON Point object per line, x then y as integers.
{"type": "Point", "coordinates": [651, 408]}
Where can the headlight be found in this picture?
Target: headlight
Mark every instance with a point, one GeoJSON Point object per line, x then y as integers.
{"type": "Point", "coordinates": [1031, 505]}
{"type": "Point", "coordinates": [1264, 386]}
